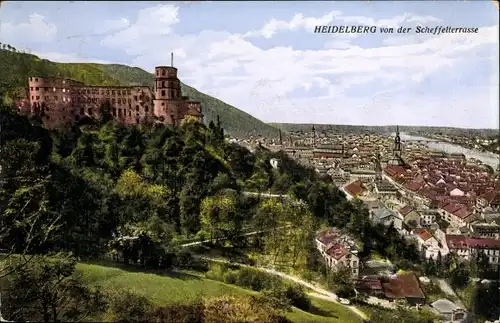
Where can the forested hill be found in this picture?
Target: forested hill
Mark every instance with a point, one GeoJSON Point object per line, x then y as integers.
{"type": "Point", "coordinates": [16, 67]}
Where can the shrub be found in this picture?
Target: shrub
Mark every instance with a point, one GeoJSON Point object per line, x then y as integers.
{"type": "Point", "coordinates": [126, 307]}
{"type": "Point", "coordinates": [297, 297]}
{"type": "Point", "coordinates": [240, 310]}
{"type": "Point", "coordinates": [179, 313]}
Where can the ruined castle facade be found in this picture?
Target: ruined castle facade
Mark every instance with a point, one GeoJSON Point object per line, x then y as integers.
{"type": "Point", "coordinates": [61, 101]}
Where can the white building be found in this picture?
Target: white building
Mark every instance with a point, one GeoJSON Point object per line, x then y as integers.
{"type": "Point", "coordinates": [338, 250]}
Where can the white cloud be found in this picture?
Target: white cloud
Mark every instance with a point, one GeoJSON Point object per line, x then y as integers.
{"type": "Point", "coordinates": [297, 22]}
{"type": "Point", "coordinates": [70, 58]}
{"type": "Point", "coordinates": [36, 30]}
{"type": "Point", "coordinates": [261, 80]}
{"type": "Point", "coordinates": [351, 84]}
{"type": "Point", "coordinates": [274, 26]}
{"type": "Point", "coordinates": [112, 25]}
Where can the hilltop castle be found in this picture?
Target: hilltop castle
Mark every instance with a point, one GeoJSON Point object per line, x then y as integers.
{"type": "Point", "coordinates": [62, 101]}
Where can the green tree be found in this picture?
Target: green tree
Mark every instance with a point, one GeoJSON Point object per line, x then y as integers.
{"type": "Point", "coordinates": [218, 217]}
{"type": "Point", "coordinates": [48, 290]}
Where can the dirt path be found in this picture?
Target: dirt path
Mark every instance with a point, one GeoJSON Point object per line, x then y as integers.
{"type": "Point", "coordinates": [318, 291]}
{"type": "Point", "coordinates": [446, 288]}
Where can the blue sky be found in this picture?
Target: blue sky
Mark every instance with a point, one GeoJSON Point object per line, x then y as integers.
{"type": "Point", "coordinates": [263, 58]}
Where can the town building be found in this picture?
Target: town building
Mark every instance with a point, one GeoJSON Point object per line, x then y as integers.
{"type": "Point", "coordinates": [338, 250]}
{"type": "Point", "coordinates": [448, 311]}
{"type": "Point", "coordinates": [404, 287]}
{"type": "Point", "coordinates": [61, 101]}
{"type": "Point", "coordinates": [466, 247]}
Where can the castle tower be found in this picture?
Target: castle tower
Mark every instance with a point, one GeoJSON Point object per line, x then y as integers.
{"type": "Point", "coordinates": [168, 103]}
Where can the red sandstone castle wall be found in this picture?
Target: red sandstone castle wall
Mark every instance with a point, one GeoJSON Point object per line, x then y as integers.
{"type": "Point", "coordinates": [62, 101]}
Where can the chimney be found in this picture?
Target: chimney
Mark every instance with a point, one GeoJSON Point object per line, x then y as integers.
{"type": "Point", "coordinates": [172, 59]}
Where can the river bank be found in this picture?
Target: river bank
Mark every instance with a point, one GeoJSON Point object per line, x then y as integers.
{"type": "Point", "coordinates": [487, 158]}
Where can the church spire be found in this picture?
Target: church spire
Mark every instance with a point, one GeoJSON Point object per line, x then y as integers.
{"type": "Point", "coordinates": [314, 136]}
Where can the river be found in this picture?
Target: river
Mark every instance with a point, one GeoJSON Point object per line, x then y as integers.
{"type": "Point", "coordinates": [486, 157]}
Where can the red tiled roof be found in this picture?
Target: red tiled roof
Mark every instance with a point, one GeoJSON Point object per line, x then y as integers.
{"type": "Point", "coordinates": [456, 241]}
{"type": "Point", "coordinates": [393, 170]}
{"type": "Point", "coordinates": [337, 251]}
{"type": "Point", "coordinates": [463, 213]}
{"type": "Point", "coordinates": [405, 210]}
{"type": "Point", "coordinates": [451, 207]}
{"type": "Point", "coordinates": [414, 186]}
{"type": "Point", "coordinates": [405, 285]}
{"type": "Point", "coordinates": [483, 243]}
{"type": "Point", "coordinates": [355, 188]}
{"type": "Point", "coordinates": [492, 196]}
{"type": "Point", "coordinates": [424, 234]}
{"type": "Point", "coordinates": [369, 284]}
{"type": "Point", "coordinates": [327, 236]}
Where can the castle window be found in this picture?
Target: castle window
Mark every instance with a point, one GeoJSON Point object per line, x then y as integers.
{"type": "Point", "coordinates": [55, 97]}
{"type": "Point", "coordinates": [113, 92]}
{"type": "Point", "coordinates": [157, 73]}
{"type": "Point", "coordinates": [163, 72]}
{"type": "Point", "coordinates": [129, 113]}
{"type": "Point", "coordinates": [36, 89]}
{"type": "Point", "coordinates": [114, 112]}
{"type": "Point", "coordinates": [129, 92]}
{"type": "Point", "coordinates": [120, 112]}
{"type": "Point", "coordinates": [163, 103]}
{"type": "Point", "coordinates": [118, 92]}
{"type": "Point", "coordinates": [137, 108]}
{"type": "Point", "coordinates": [90, 111]}
{"type": "Point", "coordinates": [107, 92]}
{"type": "Point", "coordinates": [119, 101]}
{"type": "Point", "coordinates": [146, 109]}
{"type": "Point", "coordinates": [162, 92]}
{"type": "Point", "coordinates": [37, 97]}
{"type": "Point", "coordinates": [113, 100]}
{"type": "Point", "coordinates": [163, 84]}
{"type": "Point", "coordinates": [36, 79]}
{"type": "Point", "coordinates": [32, 97]}
{"type": "Point", "coordinates": [129, 101]}
{"type": "Point", "coordinates": [135, 97]}
{"type": "Point", "coordinates": [82, 111]}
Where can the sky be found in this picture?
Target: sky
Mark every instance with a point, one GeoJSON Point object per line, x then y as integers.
{"type": "Point", "coordinates": [265, 59]}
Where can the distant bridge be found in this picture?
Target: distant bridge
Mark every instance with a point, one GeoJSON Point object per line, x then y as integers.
{"type": "Point", "coordinates": [424, 141]}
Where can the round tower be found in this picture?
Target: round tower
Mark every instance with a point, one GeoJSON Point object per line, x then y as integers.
{"type": "Point", "coordinates": [168, 95]}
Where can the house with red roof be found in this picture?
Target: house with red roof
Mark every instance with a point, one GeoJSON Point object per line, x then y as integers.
{"type": "Point", "coordinates": [490, 199]}
{"type": "Point", "coordinates": [427, 243]}
{"type": "Point", "coordinates": [354, 190]}
{"type": "Point", "coordinates": [404, 287]}
{"type": "Point", "coordinates": [338, 250]}
{"type": "Point", "coordinates": [466, 247]}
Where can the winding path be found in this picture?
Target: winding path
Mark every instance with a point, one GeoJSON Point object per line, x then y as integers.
{"type": "Point", "coordinates": [317, 291]}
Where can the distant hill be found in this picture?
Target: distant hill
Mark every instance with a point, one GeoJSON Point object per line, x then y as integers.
{"type": "Point", "coordinates": [16, 67]}
{"type": "Point", "coordinates": [384, 129]}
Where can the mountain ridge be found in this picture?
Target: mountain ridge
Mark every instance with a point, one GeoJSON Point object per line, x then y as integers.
{"type": "Point", "coordinates": [18, 66]}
